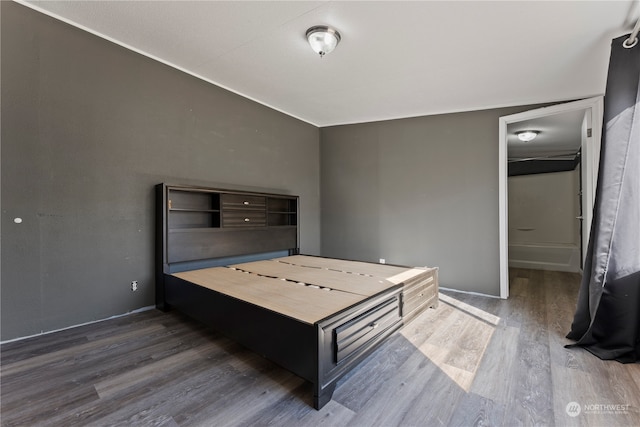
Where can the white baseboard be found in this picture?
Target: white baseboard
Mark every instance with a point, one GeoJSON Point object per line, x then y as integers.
{"type": "Point", "coordinates": [138, 310]}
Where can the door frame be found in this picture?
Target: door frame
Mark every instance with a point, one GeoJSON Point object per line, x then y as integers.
{"type": "Point", "coordinates": [590, 157]}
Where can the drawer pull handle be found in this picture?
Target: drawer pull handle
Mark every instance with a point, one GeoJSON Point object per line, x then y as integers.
{"type": "Point", "coordinates": [245, 203]}
{"type": "Point", "coordinates": [375, 325]}
{"type": "Point", "coordinates": [247, 220]}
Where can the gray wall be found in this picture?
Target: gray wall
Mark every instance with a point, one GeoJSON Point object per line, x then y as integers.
{"type": "Point", "coordinates": [417, 191]}
{"type": "Point", "coordinates": [543, 209]}
{"type": "Point", "coordinates": [88, 128]}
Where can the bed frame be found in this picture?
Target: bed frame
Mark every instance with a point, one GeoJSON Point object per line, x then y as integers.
{"type": "Point", "coordinates": [202, 228]}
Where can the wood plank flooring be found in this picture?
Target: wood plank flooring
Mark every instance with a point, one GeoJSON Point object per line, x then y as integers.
{"type": "Point", "coordinates": [472, 361]}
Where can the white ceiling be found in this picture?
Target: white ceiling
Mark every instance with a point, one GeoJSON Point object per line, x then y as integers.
{"type": "Point", "coordinates": [396, 59]}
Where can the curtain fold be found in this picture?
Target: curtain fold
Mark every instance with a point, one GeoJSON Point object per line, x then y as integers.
{"type": "Point", "coordinates": [607, 318]}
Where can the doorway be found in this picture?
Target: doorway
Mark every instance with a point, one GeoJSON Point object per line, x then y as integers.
{"type": "Point", "coordinates": [589, 153]}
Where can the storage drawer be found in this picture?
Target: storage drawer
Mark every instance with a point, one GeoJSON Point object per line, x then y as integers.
{"type": "Point", "coordinates": [244, 202]}
{"type": "Point", "coordinates": [244, 218]}
{"type": "Point", "coordinates": [356, 333]}
{"type": "Point", "coordinates": [419, 294]}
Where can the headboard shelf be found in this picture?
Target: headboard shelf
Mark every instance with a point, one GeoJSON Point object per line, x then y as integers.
{"type": "Point", "coordinates": [196, 224]}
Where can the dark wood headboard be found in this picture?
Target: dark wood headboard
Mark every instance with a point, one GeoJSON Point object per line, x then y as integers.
{"type": "Point", "coordinates": [199, 227]}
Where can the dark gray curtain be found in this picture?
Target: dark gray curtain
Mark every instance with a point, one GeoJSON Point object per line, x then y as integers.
{"type": "Point", "coordinates": [607, 318]}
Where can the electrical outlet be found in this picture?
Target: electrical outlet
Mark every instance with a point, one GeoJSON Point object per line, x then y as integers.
{"type": "Point", "coordinates": [134, 285]}
{"type": "Point", "coordinates": [382, 261]}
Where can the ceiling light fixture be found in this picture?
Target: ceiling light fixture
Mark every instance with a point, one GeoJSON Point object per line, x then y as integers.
{"type": "Point", "coordinates": [323, 39]}
{"type": "Point", "coordinates": [527, 135]}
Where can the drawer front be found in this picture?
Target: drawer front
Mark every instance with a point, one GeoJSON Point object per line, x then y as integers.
{"type": "Point", "coordinates": [356, 333]}
{"type": "Point", "coordinates": [419, 294]}
{"type": "Point", "coordinates": [346, 338]}
{"type": "Point", "coordinates": [240, 201]}
{"type": "Point", "coordinates": [244, 219]}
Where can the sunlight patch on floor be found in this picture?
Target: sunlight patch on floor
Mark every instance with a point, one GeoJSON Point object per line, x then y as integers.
{"type": "Point", "coordinates": [459, 344]}
{"type": "Point", "coordinates": [474, 311]}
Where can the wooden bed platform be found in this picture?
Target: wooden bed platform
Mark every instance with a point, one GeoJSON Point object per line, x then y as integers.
{"type": "Point", "coordinates": [317, 317]}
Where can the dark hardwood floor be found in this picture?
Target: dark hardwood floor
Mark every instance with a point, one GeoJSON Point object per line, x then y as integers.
{"type": "Point", "coordinates": [472, 361]}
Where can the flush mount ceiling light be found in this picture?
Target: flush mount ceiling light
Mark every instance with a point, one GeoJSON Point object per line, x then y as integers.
{"type": "Point", "coordinates": [323, 39]}
{"type": "Point", "coordinates": [527, 135]}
